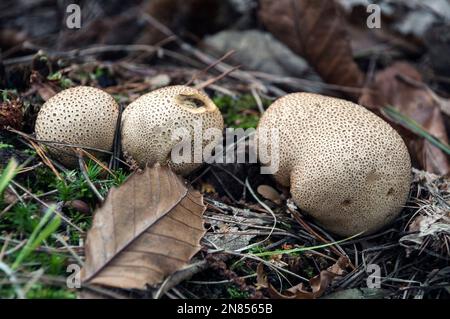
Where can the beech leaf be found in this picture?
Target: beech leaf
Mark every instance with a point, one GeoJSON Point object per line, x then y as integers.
{"type": "Point", "coordinates": [316, 30]}
{"type": "Point", "coordinates": [401, 86]}
{"type": "Point", "coordinates": [147, 229]}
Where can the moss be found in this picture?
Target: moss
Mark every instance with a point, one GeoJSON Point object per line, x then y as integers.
{"type": "Point", "coordinates": [20, 220]}
{"type": "Point", "coordinates": [39, 291]}
{"type": "Point", "coordinates": [239, 112]}
{"type": "Point", "coordinates": [235, 293]}
{"type": "Point", "coordinates": [63, 81]}
{"type": "Point", "coordinates": [4, 146]}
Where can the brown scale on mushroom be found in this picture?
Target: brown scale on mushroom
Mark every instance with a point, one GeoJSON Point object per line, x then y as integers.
{"type": "Point", "coordinates": [149, 122]}
{"type": "Point", "coordinates": [346, 167]}
{"type": "Point", "coordinates": [82, 115]}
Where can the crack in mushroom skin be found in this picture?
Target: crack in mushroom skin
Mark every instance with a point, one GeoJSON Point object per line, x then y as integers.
{"type": "Point", "coordinates": [345, 166]}
{"type": "Point", "coordinates": [81, 115]}
{"type": "Point", "coordinates": [149, 123]}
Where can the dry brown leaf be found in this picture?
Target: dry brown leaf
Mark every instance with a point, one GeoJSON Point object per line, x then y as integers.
{"type": "Point", "coordinates": [45, 89]}
{"type": "Point", "coordinates": [401, 86]}
{"type": "Point", "coordinates": [316, 30]}
{"type": "Point", "coordinates": [318, 283]}
{"type": "Point", "coordinates": [269, 193]}
{"type": "Point", "coordinates": [79, 205]}
{"type": "Point", "coordinates": [147, 229]}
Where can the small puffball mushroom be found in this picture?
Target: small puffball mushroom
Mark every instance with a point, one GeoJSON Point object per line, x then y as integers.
{"type": "Point", "coordinates": [345, 166]}
{"type": "Point", "coordinates": [84, 116]}
{"type": "Point", "coordinates": [150, 123]}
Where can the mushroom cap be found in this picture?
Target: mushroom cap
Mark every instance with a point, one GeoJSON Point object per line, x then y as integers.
{"type": "Point", "coordinates": [82, 115]}
{"type": "Point", "coordinates": [148, 124]}
{"type": "Point", "coordinates": [346, 167]}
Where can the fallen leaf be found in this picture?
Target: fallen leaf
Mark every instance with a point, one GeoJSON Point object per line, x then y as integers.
{"type": "Point", "coordinates": [45, 90]}
{"type": "Point", "coordinates": [269, 193]}
{"type": "Point", "coordinates": [79, 206]}
{"type": "Point", "coordinates": [316, 30]}
{"type": "Point", "coordinates": [401, 86]}
{"type": "Point", "coordinates": [318, 283]}
{"type": "Point", "coordinates": [147, 229]}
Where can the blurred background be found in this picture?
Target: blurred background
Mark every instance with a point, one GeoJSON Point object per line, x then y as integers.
{"type": "Point", "coordinates": [392, 57]}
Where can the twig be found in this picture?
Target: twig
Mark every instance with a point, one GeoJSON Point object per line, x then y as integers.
{"type": "Point", "coordinates": [4, 247]}
{"type": "Point", "coordinates": [318, 236]}
{"type": "Point", "coordinates": [224, 187]}
{"type": "Point", "coordinates": [219, 282]}
{"type": "Point", "coordinates": [69, 249]}
{"type": "Point", "coordinates": [82, 166]}
{"type": "Point", "coordinates": [205, 70]}
{"type": "Point", "coordinates": [27, 136]}
{"type": "Point", "coordinates": [63, 217]}
{"type": "Point", "coordinates": [12, 277]}
{"type": "Point", "coordinates": [258, 100]}
{"type": "Point", "coordinates": [99, 49]}
{"type": "Point", "coordinates": [45, 159]}
{"type": "Point", "coordinates": [205, 84]}
{"type": "Point", "coordinates": [179, 277]}
{"type": "Point", "coordinates": [265, 262]}
{"type": "Point", "coordinates": [268, 209]}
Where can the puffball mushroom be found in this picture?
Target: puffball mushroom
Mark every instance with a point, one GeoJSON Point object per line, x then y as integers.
{"type": "Point", "coordinates": [84, 116]}
{"type": "Point", "coordinates": [150, 122]}
{"type": "Point", "coordinates": [345, 166]}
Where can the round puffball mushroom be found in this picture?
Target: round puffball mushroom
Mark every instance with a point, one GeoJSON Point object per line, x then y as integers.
{"type": "Point", "coordinates": [83, 116]}
{"type": "Point", "coordinates": [345, 166]}
{"type": "Point", "coordinates": [153, 124]}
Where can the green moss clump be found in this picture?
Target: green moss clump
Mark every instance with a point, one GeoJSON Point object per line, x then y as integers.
{"type": "Point", "coordinates": [239, 112]}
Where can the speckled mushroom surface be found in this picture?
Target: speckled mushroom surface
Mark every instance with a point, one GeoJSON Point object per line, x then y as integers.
{"type": "Point", "coordinates": [82, 115]}
{"type": "Point", "coordinates": [148, 124]}
{"type": "Point", "coordinates": [346, 167]}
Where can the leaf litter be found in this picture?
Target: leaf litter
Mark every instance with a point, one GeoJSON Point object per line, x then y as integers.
{"type": "Point", "coordinates": [413, 252]}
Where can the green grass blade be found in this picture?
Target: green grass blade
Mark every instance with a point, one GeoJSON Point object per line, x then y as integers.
{"type": "Point", "coordinates": [8, 174]}
{"type": "Point", "coordinates": [415, 127]}
{"type": "Point", "coordinates": [302, 249]}
{"type": "Point", "coordinates": [42, 231]}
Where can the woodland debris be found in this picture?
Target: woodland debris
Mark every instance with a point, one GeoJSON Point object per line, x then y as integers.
{"type": "Point", "coordinates": [147, 229]}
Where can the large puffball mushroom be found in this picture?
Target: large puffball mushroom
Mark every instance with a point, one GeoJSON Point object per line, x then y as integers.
{"type": "Point", "coordinates": [345, 166]}
{"type": "Point", "coordinates": [151, 124]}
{"type": "Point", "coordinates": [83, 116]}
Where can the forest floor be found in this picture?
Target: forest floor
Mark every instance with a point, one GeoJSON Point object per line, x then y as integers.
{"type": "Point", "coordinates": [258, 244]}
{"type": "Point", "coordinates": [412, 260]}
